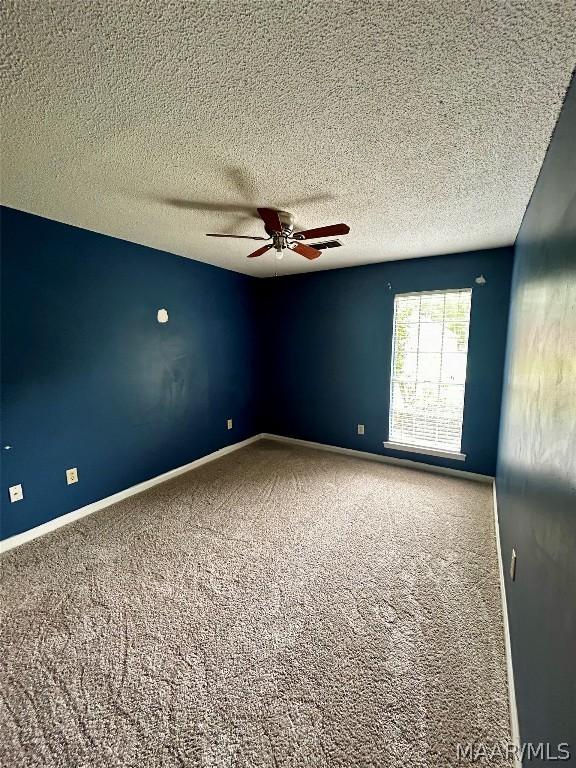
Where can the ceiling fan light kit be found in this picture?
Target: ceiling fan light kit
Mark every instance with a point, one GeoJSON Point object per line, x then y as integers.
{"type": "Point", "coordinates": [279, 226]}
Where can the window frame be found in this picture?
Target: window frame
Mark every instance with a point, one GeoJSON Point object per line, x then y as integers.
{"type": "Point", "coordinates": [408, 447]}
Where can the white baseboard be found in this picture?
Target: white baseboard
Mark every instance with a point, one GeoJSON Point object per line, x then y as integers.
{"type": "Point", "coordinates": [514, 726]}
{"type": "Point", "coordinates": [384, 459]}
{"type": "Point", "coordinates": [77, 514]}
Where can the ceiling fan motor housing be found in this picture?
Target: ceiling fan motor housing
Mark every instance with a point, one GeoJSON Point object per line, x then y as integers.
{"type": "Point", "coordinates": [280, 239]}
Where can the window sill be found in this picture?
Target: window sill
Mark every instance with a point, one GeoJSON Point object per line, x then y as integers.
{"type": "Point", "coordinates": [425, 451]}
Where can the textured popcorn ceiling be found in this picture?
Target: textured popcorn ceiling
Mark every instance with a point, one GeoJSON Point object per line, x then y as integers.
{"type": "Point", "coordinates": [423, 125]}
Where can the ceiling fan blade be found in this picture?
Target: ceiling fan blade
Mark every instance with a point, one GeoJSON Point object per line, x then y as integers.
{"type": "Point", "coordinates": [270, 218]}
{"type": "Point", "coordinates": [328, 231]}
{"type": "Point", "coordinates": [305, 250]}
{"type": "Point", "coordinates": [241, 237]}
{"type": "Point", "coordinates": [259, 252]}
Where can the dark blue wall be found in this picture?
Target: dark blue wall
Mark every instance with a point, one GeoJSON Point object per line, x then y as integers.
{"type": "Point", "coordinates": [536, 481]}
{"type": "Point", "coordinates": [329, 343]}
{"type": "Point", "coordinates": [91, 380]}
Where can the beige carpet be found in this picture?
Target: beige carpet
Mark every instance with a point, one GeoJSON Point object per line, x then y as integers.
{"type": "Point", "coordinates": [279, 607]}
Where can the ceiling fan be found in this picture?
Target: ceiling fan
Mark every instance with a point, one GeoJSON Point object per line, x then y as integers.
{"type": "Point", "coordinates": [279, 226]}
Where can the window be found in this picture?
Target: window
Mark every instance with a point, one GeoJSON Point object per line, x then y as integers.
{"type": "Point", "coordinates": [429, 356]}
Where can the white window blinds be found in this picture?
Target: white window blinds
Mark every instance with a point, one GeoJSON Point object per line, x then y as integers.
{"type": "Point", "coordinates": [429, 356]}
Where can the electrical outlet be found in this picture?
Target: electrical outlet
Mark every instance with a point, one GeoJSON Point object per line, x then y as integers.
{"type": "Point", "coordinates": [513, 565]}
{"type": "Point", "coordinates": [229, 423]}
{"type": "Point", "coordinates": [360, 429]}
{"type": "Point", "coordinates": [72, 476]}
{"type": "Point", "coordinates": [16, 493]}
